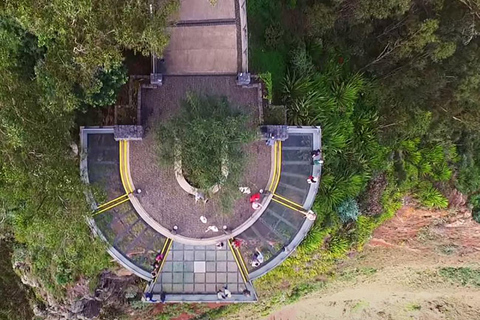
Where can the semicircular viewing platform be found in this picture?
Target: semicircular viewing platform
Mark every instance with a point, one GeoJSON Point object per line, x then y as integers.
{"type": "Point", "coordinates": [194, 268]}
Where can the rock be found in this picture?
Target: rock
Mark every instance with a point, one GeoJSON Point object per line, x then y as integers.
{"type": "Point", "coordinates": [74, 148]}
{"type": "Point", "coordinates": [123, 272]}
{"type": "Point", "coordinates": [78, 306]}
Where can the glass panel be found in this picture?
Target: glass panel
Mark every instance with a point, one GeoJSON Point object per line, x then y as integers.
{"type": "Point", "coordinates": [299, 140]}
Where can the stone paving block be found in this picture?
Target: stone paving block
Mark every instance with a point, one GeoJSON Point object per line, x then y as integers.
{"type": "Point", "coordinates": [177, 266]}
{"type": "Point", "coordinates": [167, 287]}
{"type": "Point", "coordinates": [167, 266]}
{"type": "Point", "coordinates": [199, 287]}
{"type": "Point", "coordinates": [177, 246]}
{"type": "Point", "coordinates": [188, 247]}
{"type": "Point", "coordinates": [188, 288]}
{"type": "Point", "coordinates": [188, 255]}
{"type": "Point", "coordinates": [232, 267]}
{"type": "Point", "coordinates": [221, 266]}
{"type": "Point", "coordinates": [221, 255]}
{"type": "Point", "coordinates": [221, 278]}
{"type": "Point", "coordinates": [177, 288]}
{"type": "Point", "coordinates": [188, 277]}
{"type": "Point", "coordinates": [178, 278]}
{"type": "Point", "coordinates": [233, 288]}
{"type": "Point", "coordinates": [200, 255]}
{"type": "Point", "coordinates": [199, 278]}
{"type": "Point", "coordinates": [210, 255]}
{"type": "Point", "coordinates": [210, 266]}
{"type": "Point", "coordinates": [177, 255]}
{"type": "Point", "coordinates": [230, 256]}
{"type": "Point", "coordinates": [167, 277]}
{"type": "Point", "coordinates": [210, 277]}
{"type": "Point", "coordinates": [199, 267]}
{"type": "Point", "coordinates": [188, 266]}
{"type": "Point", "coordinates": [211, 288]}
{"type": "Point", "coordinates": [232, 278]}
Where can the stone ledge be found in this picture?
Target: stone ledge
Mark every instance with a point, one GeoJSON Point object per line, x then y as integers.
{"type": "Point", "coordinates": [128, 132]}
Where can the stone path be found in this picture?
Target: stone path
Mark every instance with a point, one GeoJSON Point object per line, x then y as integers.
{"type": "Point", "coordinates": [205, 40]}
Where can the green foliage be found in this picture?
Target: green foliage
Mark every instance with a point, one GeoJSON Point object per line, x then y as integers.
{"type": "Point", "coordinates": [267, 49]}
{"type": "Point", "coordinates": [430, 197]}
{"type": "Point", "coordinates": [80, 38]}
{"type": "Point", "coordinates": [108, 84]}
{"type": "Point", "coordinates": [348, 210]}
{"type": "Point", "coordinates": [267, 80]}
{"type": "Point", "coordinates": [272, 61]}
{"type": "Point", "coordinates": [50, 53]}
{"type": "Point", "coordinates": [210, 135]}
{"type": "Point", "coordinates": [338, 246]}
{"type": "Point", "coordinates": [273, 36]}
{"type": "Point", "coordinates": [461, 275]}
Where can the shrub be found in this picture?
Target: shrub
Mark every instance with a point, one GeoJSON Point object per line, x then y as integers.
{"type": "Point", "coordinates": [348, 210]}
{"type": "Point", "coordinates": [273, 36]}
{"type": "Point", "coordinates": [430, 197]}
{"type": "Point", "coordinates": [266, 77]}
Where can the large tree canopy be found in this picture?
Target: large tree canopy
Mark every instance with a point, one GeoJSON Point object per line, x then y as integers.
{"type": "Point", "coordinates": [81, 37]}
{"type": "Point", "coordinates": [58, 57]}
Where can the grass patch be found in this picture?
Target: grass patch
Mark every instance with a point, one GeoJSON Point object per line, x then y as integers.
{"type": "Point", "coordinates": [461, 275]}
{"type": "Point", "coordinates": [413, 307]}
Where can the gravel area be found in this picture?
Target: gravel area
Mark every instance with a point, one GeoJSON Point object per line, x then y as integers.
{"type": "Point", "coordinates": [162, 197]}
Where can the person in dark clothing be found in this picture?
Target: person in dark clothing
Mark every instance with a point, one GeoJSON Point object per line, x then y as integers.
{"type": "Point", "coordinates": [316, 153]}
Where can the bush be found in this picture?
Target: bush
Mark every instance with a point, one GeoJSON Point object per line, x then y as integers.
{"type": "Point", "coordinates": [273, 36]}
{"type": "Point", "coordinates": [348, 210]}
{"type": "Point", "coordinates": [106, 88]}
{"type": "Point", "coordinates": [266, 77]}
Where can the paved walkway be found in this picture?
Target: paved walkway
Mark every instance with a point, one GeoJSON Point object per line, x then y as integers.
{"type": "Point", "coordinates": [205, 40]}
{"type": "Point", "coordinates": [197, 10]}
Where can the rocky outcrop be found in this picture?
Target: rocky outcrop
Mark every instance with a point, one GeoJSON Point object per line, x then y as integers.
{"type": "Point", "coordinates": [113, 291]}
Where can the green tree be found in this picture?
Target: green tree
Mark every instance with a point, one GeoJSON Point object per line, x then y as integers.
{"type": "Point", "coordinates": [210, 135]}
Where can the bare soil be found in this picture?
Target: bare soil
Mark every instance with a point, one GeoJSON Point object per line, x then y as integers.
{"type": "Point", "coordinates": [397, 275]}
{"type": "Point", "coordinates": [162, 197]}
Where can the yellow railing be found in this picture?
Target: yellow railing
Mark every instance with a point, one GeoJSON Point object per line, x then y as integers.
{"type": "Point", "coordinates": [239, 260]}
{"type": "Point", "coordinates": [165, 250]}
{"type": "Point", "coordinates": [111, 204]}
{"type": "Point", "coordinates": [125, 177]}
{"type": "Point", "coordinates": [277, 166]}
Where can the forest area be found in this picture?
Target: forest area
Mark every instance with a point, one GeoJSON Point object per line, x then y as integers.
{"type": "Point", "coordinates": [394, 85]}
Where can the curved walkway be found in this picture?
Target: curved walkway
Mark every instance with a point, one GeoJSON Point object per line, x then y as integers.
{"type": "Point", "coordinates": [276, 230]}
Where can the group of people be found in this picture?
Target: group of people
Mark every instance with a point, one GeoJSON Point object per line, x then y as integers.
{"type": "Point", "coordinates": [156, 264]}
{"type": "Point", "coordinates": [224, 293]}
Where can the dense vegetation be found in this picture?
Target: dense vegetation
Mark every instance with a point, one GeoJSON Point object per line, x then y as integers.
{"type": "Point", "coordinates": [394, 85]}
{"type": "Point", "coordinates": [57, 60]}
{"type": "Point", "coordinates": [209, 134]}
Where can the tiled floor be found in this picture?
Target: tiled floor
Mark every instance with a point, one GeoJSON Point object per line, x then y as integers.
{"type": "Point", "coordinates": [199, 269]}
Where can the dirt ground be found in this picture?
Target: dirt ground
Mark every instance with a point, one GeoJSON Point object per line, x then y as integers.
{"type": "Point", "coordinates": [397, 275]}
{"type": "Point", "coordinates": [162, 196]}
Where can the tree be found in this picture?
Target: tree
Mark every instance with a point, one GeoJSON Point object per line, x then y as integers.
{"type": "Point", "coordinates": [209, 134]}
{"type": "Point", "coordinates": [81, 37]}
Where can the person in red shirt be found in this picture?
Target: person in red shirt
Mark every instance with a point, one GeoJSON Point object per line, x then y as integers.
{"type": "Point", "coordinates": [255, 197]}
{"type": "Point", "coordinates": [236, 243]}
